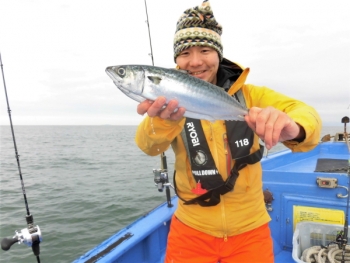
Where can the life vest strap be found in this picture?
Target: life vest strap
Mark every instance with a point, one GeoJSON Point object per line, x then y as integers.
{"type": "Point", "coordinates": [214, 194]}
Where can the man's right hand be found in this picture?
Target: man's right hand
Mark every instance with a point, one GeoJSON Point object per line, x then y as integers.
{"type": "Point", "coordinates": [171, 111]}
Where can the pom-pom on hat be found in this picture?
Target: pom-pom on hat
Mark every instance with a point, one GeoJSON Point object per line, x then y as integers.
{"type": "Point", "coordinates": [197, 27]}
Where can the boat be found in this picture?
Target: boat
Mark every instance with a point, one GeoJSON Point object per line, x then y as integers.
{"type": "Point", "coordinates": [299, 188]}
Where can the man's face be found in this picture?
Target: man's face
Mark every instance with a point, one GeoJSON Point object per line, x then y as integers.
{"type": "Point", "coordinates": [200, 62]}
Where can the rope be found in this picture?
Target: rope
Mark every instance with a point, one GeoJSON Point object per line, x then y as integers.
{"type": "Point", "coordinates": [332, 254]}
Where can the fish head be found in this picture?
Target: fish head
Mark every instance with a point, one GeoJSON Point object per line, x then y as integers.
{"type": "Point", "coordinates": [128, 78]}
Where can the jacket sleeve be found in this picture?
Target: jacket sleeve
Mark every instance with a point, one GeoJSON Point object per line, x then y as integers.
{"type": "Point", "coordinates": [301, 113]}
{"type": "Point", "coordinates": [154, 135]}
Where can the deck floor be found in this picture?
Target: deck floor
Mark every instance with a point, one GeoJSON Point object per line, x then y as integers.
{"type": "Point", "coordinates": [301, 166]}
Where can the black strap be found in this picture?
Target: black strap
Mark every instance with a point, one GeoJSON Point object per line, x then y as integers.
{"type": "Point", "coordinates": [198, 146]}
{"type": "Point", "coordinates": [214, 194]}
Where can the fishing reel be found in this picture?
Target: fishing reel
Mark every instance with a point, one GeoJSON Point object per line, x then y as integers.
{"type": "Point", "coordinates": [31, 236]}
{"type": "Point", "coordinates": [161, 178]}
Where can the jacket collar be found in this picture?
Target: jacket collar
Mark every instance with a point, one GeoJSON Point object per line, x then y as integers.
{"type": "Point", "coordinates": [228, 71]}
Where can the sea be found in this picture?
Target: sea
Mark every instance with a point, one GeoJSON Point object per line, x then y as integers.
{"type": "Point", "coordinates": [82, 184]}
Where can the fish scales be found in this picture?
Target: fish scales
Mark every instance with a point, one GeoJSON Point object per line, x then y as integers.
{"type": "Point", "coordinates": [201, 90]}
{"type": "Point", "coordinates": [205, 94]}
{"type": "Point", "coordinates": [201, 99]}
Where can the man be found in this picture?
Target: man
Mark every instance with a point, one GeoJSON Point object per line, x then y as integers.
{"type": "Point", "coordinates": [221, 215]}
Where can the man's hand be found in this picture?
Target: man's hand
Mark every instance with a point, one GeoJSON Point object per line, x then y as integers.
{"type": "Point", "coordinates": [158, 108]}
{"type": "Point", "coordinates": [273, 126]}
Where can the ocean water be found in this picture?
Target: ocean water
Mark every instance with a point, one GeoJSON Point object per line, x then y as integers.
{"type": "Point", "coordinates": [83, 184]}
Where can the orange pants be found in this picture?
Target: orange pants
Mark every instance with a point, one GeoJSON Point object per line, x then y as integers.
{"type": "Point", "coordinates": [187, 245]}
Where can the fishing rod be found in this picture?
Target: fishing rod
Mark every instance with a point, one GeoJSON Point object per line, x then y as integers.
{"type": "Point", "coordinates": [149, 34]}
{"type": "Point", "coordinates": [343, 239]}
{"type": "Point", "coordinates": [161, 178]}
{"type": "Point", "coordinates": [31, 235]}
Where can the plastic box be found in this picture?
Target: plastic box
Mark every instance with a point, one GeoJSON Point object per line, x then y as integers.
{"type": "Point", "coordinates": [308, 234]}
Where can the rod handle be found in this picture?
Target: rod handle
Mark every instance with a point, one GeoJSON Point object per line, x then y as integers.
{"type": "Point", "coordinates": [6, 243]}
{"type": "Point", "coordinates": [36, 248]}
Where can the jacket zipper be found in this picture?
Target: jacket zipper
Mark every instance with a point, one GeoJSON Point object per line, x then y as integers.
{"type": "Point", "coordinates": [223, 216]}
{"type": "Point", "coordinates": [228, 170]}
{"type": "Point", "coordinates": [211, 138]}
{"type": "Point", "coordinates": [228, 155]}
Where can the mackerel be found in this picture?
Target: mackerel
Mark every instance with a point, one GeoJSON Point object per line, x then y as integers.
{"type": "Point", "coordinates": [201, 99]}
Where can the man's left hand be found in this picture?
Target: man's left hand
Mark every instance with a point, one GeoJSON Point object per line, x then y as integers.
{"type": "Point", "coordinates": [273, 125]}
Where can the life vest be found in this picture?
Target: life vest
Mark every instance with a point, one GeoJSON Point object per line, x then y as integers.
{"type": "Point", "coordinates": [240, 139]}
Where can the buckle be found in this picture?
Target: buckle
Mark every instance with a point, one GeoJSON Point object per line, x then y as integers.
{"type": "Point", "coordinates": [231, 181]}
{"type": "Point", "coordinates": [229, 185]}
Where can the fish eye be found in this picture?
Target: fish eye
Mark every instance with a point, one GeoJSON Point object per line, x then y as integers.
{"type": "Point", "coordinates": [121, 72]}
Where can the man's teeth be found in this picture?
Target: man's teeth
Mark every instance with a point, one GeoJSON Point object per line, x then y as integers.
{"type": "Point", "coordinates": [197, 72]}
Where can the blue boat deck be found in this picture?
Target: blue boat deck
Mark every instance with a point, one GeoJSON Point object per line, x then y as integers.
{"type": "Point", "coordinates": [291, 179]}
{"type": "Point", "coordinates": [286, 161]}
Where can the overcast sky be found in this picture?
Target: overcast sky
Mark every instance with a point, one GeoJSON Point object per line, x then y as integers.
{"type": "Point", "coordinates": [55, 53]}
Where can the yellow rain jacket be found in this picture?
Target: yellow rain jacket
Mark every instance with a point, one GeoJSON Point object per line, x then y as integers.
{"type": "Point", "coordinates": [243, 209]}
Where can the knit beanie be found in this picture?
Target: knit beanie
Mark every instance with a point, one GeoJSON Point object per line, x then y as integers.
{"type": "Point", "coordinates": [197, 27]}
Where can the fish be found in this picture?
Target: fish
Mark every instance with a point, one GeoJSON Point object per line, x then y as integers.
{"type": "Point", "coordinates": [201, 99]}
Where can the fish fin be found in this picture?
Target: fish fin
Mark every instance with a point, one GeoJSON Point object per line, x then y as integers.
{"type": "Point", "coordinates": [155, 80]}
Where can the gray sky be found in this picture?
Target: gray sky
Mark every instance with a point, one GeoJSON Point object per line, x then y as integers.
{"type": "Point", "coordinates": [55, 53]}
